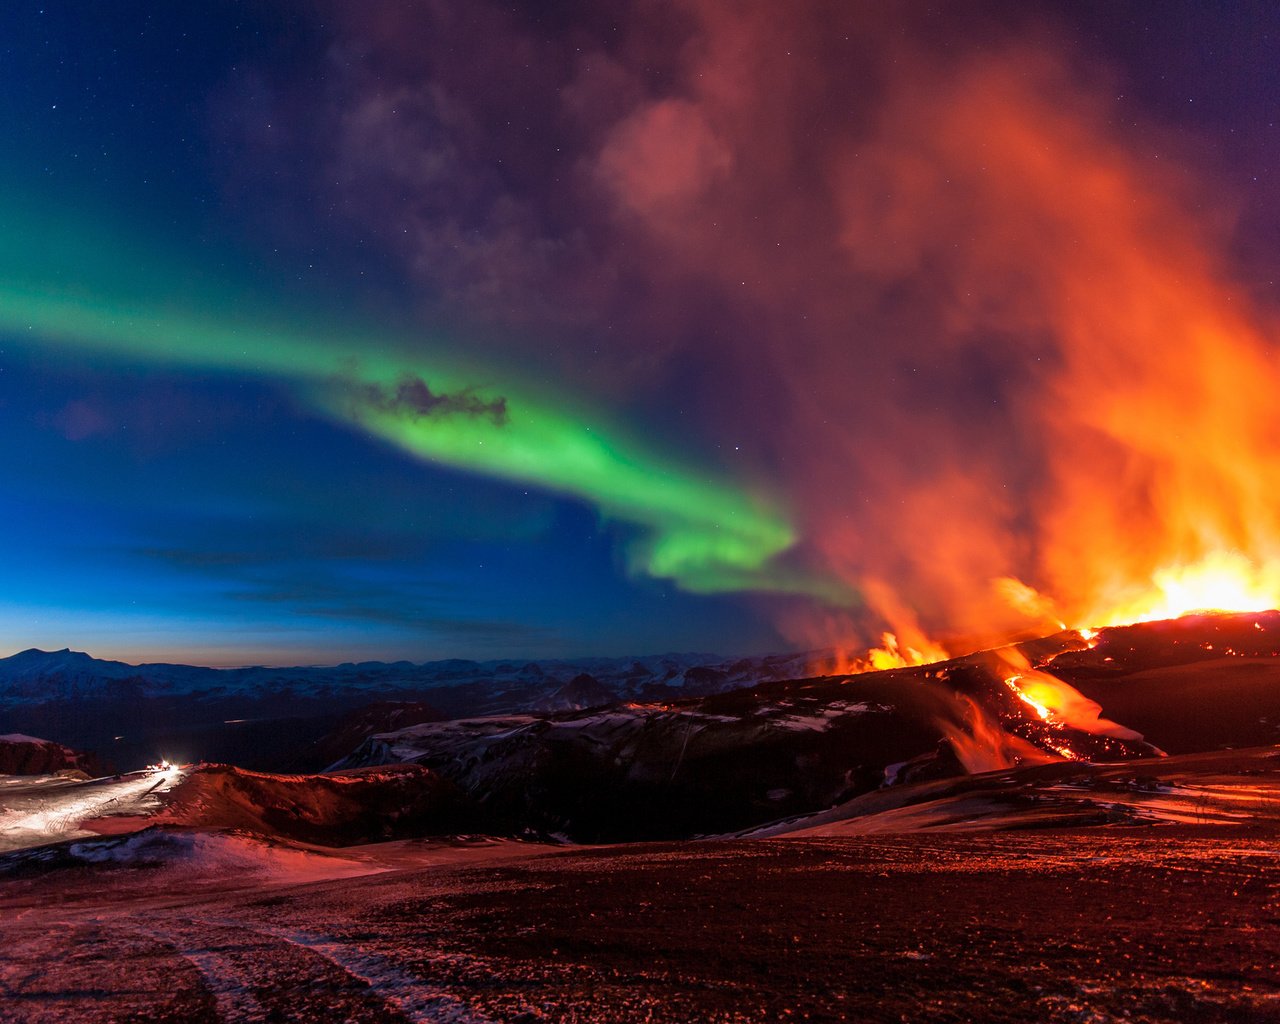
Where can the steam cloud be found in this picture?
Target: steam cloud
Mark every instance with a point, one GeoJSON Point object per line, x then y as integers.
{"type": "Point", "coordinates": [903, 260]}
{"type": "Point", "coordinates": [413, 396]}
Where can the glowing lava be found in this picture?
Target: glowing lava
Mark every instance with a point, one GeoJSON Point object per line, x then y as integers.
{"type": "Point", "coordinates": [1013, 682]}
{"type": "Point", "coordinates": [1221, 582]}
{"type": "Point", "coordinates": [891, 653]}
{"type": "Point", "coordinates": [1055, 702]}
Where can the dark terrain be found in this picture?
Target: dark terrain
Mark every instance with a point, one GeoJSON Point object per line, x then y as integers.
{"type": "Point", "coordinates": [1149, 925]}
{"type": "Point", "coordinates": [856, 870]}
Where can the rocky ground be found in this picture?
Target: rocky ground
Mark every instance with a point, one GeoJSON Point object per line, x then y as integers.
{"type": "Point", "coordinates": [1156, 923]}
{"type": "Point", "coordinates": [865, 874]}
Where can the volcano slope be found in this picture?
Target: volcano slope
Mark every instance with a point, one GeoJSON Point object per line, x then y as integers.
{"type": "Point", "coordinates": [734, 760]}
{"type": "Point", "coordinates": [1145, 888]}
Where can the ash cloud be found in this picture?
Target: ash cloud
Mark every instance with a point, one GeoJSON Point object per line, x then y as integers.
{"type": "Point", "coordinates": [903, 262]}
{"type": "Point", "coordinates": [413, 397]}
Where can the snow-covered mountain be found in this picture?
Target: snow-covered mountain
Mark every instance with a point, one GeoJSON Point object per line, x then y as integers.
{"type": "Point", "coordinates": [34, 676]}
{"type": "Point", "coordinates": [132, 714]}
{"type": "Point", "coordinates": [595, 769]}
{"type": "Point", "coordinates": [1152, 678]}
{"type": "Point", "coordinates": [713, 764]}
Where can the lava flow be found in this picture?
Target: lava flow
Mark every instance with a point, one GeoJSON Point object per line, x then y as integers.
{"type": "Point", "coordinates": [1055, 702]}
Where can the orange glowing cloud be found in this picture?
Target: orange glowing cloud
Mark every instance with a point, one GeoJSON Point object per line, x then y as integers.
{"type": "Point", "coordinates": [913, 268]}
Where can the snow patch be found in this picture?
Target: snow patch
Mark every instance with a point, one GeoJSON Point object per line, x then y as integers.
{"type": "Point", "coordinates": [215, 853]}
{"type": "Point", "coordinates": [418, 1000]}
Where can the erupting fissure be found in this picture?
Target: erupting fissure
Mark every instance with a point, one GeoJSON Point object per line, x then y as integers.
{"type": "Point", "coordinates": [1224, 581]}
{"type": "Point", "coordinates": [977, 732]}
{"type": "Point", "coordinates": [890, 654]}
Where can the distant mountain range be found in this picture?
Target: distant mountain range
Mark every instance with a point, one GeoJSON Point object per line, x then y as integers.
{"type": "Point", "coordinates": [35, 677]}
{"type": "Point", "coordinates": [274, 717]}
{"type": "Point", "coordinates": [1196, 684]}
{"type": "Point", "coordinates": [670, 747]}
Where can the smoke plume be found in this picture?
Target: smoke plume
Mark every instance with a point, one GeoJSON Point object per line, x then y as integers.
{"type": "Point", "coordinates": [908, 266]}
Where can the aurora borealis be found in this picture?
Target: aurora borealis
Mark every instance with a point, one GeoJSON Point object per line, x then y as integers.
{"type": "Point", "coordinates": [705, 536]}
{"type": "Point", "coordinates": [373, 331]}
{"type": "Point", "coordinates": [89, 284]}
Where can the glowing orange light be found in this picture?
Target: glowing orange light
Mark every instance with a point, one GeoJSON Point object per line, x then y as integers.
{"type": "Point", "coordinates": [1220, 582]}
{"type": "Point", "coordinates": [1040, 709]}
{"type": "Point", "coordinates": [890, 654]}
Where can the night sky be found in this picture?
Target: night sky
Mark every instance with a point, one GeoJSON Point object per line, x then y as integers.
{"type": "Point", "coordinates": [336, 331]}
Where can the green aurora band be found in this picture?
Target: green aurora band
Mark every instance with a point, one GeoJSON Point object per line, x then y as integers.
{"type": "Point", "coordinates": [704, 535]}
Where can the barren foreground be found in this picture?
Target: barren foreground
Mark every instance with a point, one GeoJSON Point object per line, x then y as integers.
{"type": "Point", "coordinates": [1162, 923]}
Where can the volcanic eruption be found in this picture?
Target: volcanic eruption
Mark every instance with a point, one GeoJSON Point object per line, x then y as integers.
{"type": "Point", "coordinates": [1128, 466]}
